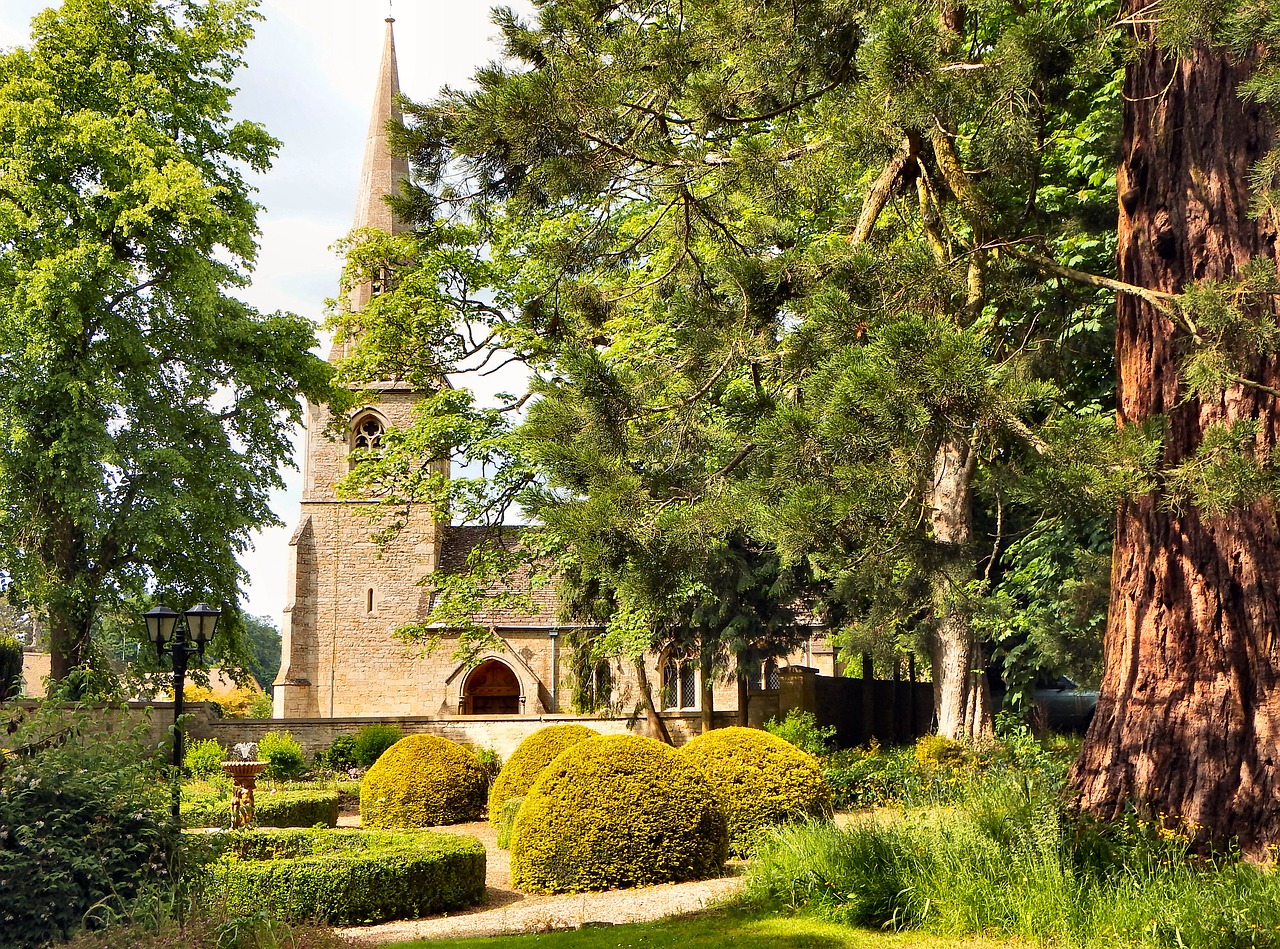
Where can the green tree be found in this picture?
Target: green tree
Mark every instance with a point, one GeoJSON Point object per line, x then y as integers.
{"type": "Point", "coordinates": [786, 272]}
{"type": "Point", "coordinates": [145, 410]}
{"type": "Point", "coordinates": [263, 641]}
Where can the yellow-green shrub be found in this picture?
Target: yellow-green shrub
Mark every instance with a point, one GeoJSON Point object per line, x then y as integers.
{"type": "Point", "coordinates": [616, 811]}
{"type": "Point", "coordinates": [527, 762]}
{"type": "Point", "coordinates": [759, 780]}
{"type": "Point", "coordinates": [422, 781]}
{"type": "Point", "coordinates": [343, 877]}
{"type": "Point", "coordinates": [934, 751]}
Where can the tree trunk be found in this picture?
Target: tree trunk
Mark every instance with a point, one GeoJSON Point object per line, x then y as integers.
{"type": "Point", "coordinates": [68, 646]}
{"type": "Point", "coordinates": [62, 554]}
{"type": "Point", "coordinates": [656, 726]}
{"type": "Point", "coordinates": [1188, 724]}
{"type": "Point", "coordinates": [706, 675]}
{"type": "Point", "coordinates": [960, 692]}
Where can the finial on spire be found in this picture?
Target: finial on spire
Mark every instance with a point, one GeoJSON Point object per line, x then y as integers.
{"type": "Point", "coordinates": [391, 17]}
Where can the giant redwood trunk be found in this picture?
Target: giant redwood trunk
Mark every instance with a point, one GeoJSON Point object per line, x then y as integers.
{"type": "Point", "coordinates": [961, 695]}
{"type": "Point", "coordinates": [1189, 720]}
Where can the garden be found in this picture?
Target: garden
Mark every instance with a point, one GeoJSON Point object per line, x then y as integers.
{"type": "Point", "coordinates": [939, 844]}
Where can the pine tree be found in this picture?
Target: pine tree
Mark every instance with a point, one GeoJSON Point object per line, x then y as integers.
{"type": "Point", "coordinates": [716, 229]}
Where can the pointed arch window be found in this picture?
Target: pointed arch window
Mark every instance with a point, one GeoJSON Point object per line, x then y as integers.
{"type": "Point", "coordinates": [679, 681]}
{"type": "Point", "coordinates": [599, 686]}
{"type": "Point", "coordinates": [368, 433]}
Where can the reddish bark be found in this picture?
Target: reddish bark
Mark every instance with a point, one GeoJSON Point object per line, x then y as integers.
{"type": "Point", "coordinates": [1189, 720]}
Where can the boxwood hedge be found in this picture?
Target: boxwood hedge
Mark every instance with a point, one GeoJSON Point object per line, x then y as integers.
{"type": "Point", "coordinates": [528, 761]}
{"type": "Point", "coordinates": [344, 877]}
{"type": "Point", "coordinates": [423, 781]}
{"type": "Point", "coordinates": [613, 812]}
{"type": "Point", "coordinates": [759, 780]}
{"type": "Point", "coordinates": [271, 809]}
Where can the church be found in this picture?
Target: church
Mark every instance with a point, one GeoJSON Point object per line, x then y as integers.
{"type": "Point", "coordinates": [348, 595]}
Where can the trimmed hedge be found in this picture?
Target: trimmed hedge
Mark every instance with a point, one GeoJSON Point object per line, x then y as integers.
{"type": "Point", "coordinates": [616, 811]}
{"type": "Point", "coordinates": [760, 781]}
{"type": "Point", "coordinates": [344, 877]}
{"type": "Point", "coordinates": [423, 781]}
{"type": "Point", "coordinates": [279, 809]}
{"type": "Point", "coordinates": [528, 761]}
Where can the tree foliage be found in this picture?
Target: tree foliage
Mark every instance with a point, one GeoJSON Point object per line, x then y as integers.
{"type": "Point", "coordinates": [773, 265]}
{"type": "Point", "coordinates": [145, 409]}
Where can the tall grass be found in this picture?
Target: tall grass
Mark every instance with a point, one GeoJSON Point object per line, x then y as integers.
{"type": "Point", "coordinates": [936, 772]}
{"type": "Point", "coordinates": [1007, 862]}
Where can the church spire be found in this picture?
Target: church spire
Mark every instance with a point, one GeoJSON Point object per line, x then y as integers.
{"type": "Point", "coordinates": [383, 172]}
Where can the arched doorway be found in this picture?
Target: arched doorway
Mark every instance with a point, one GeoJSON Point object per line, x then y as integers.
{"type": "Point", "coordinates": [491, 689]}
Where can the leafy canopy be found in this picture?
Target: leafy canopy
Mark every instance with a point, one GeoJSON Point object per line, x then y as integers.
{"type": "Point", "coordinates": [145, 411]}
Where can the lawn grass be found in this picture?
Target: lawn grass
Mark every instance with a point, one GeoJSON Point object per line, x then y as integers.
{"type": "Point", "coordinates": [730, 928]}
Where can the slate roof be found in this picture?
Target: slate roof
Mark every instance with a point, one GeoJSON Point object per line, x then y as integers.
{"type": "Point", "coordinates": [458, 544]}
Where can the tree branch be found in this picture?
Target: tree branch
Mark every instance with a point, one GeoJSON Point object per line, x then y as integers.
{"type": "Point", "coordinates": [736, 460]}
{"type": "Point", "coordinates": [1157, 298]}
{"type": "Point", "coordinates": [882, 187]}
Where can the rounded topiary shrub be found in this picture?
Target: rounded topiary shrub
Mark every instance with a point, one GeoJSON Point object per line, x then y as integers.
{"type": "Point", "coordinates": [616, 811]}
{"type": "Point", "coordinates": [759, 780]}
{"type": "Point", "coordinates": [528, 761]}
{"type": "Point", "coordinates": [422, 781]}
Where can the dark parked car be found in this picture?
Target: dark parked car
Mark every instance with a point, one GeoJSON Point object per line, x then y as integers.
{"type": "Point", "coordinates": [1063, 706]}
{"type": "Point", "coordinates": [1066, 706]}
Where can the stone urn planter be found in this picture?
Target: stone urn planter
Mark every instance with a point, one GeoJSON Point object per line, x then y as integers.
{"type": "Point", "coordinates": [244, 775]}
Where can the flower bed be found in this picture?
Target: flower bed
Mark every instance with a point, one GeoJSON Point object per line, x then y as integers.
{"type": "Point", "coordinates": [345, 877]}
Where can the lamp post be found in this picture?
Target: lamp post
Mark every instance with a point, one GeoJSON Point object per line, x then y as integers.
{"type": "Point", "coordinates": [182, 635]}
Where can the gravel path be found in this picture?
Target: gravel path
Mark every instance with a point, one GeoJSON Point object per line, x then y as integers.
{"type": "Point", "coordinates": [506, 911]}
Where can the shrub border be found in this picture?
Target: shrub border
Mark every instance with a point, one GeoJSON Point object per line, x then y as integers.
{"type": "Point", "coordinates": [368, 877]}
{"type": "Point", "coordinates": [281, 809]}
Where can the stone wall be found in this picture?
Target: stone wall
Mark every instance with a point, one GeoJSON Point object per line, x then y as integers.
{"type": "Point", "coordinates": [502, 733]}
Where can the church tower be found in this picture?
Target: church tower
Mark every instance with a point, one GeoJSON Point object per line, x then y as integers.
{"type": "Point", "coordinates": [347, 596]}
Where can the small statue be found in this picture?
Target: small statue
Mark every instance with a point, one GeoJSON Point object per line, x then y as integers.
{"type": "Point", "coordinates": [241, 808]}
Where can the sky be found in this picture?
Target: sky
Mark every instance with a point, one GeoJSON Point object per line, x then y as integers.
{"type": "Point", "coordinates": [309, 78]}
